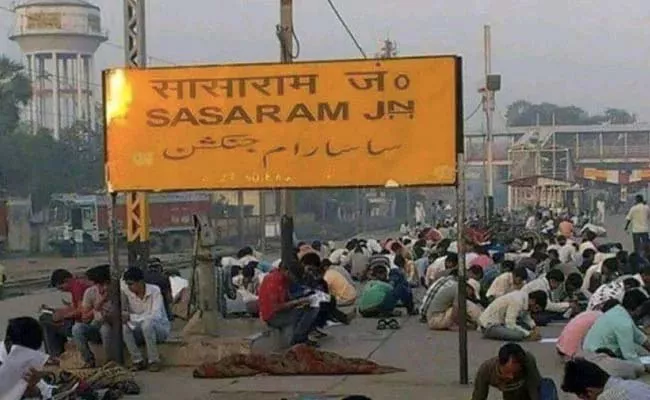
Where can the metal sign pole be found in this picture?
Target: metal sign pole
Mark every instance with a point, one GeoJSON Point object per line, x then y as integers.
{"type": "Point", "coordinates": [117, 350]}
{"type": "Point", "coordinates": [462, 270]}
{"type": "Point", "coordinates": [285, 35]}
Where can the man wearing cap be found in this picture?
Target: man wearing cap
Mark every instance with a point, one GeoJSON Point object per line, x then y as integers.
{"type": "Point", "coordinates": [442, 313]}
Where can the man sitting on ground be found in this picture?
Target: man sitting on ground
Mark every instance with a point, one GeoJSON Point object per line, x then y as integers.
{"type": "Point", "coordinates": [378, 298]}
{"type": "Point", "coordinates": [508, 317]}
{"type": "Point", "coordinates": [549, 283]}
{"type": "Point", "coordinates": [279, 312]}
{"type": "Point", "coordinates": [443, 310]}
{"type": "Point", "coordinates": [144, 317]}
{"type": "Point", "coordinates": [588, 381]}
{"type": "Point", "coordinates": [514, 372]}
{"type": "Point", "coordinates": [613, 290]}
{"type": "Point", "coordinates": [339, 285]}
{"type": "Point", "coordinates": [509, 281]}
{"type": "Point", "coordinates": [616, 330]}
{"type": "Point", "coordinates": [96, 309]}
{"type": "Point", "coordinates": [57, 325]}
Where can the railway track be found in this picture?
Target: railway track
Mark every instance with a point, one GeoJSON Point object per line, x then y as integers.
{"type": "Point", "coordinates": [40, 283]}
{"type": "Point", "coordinates": [30, 285]}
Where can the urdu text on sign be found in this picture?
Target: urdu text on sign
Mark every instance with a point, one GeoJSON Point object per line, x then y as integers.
{"type": "Point", "coordinates": [317, 124]}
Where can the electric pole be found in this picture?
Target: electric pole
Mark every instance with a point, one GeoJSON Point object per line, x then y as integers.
{"type": "Point", "coordinates": [137, 210]}
{"type": "Point", "coordinates": [285, 34]}
{"type": "Point", "coordinates": [492, 85]}
{"type": "Point", "coordinates": [262, 230]}
{"type": "Point", "coordinates": [488, 108]}
{"type": "Point", "coordinates": [137, 207]}
{"type": "Point", "coordinates": [389, 50]}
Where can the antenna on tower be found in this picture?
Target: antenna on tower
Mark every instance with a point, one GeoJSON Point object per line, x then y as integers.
{"type": "Point", "coordinates": [388, 49]}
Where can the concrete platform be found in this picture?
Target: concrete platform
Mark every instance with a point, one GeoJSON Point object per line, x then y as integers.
{"type": "Point", "coordinates": [236, 336]}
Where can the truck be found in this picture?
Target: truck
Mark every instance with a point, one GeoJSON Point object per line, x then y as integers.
{"type": "Point", "coordinates": [79, 222]}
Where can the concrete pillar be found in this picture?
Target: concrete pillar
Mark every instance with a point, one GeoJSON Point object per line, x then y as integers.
{"type": "Point", "coordinates": [91, 92]}
{"type": "Point", "coordinates": [31, 62]}
{"type": "Point", "coordinates": [56, 105]}
{"type": "Point", "coordinates": [65, 81]}
{"type": "Point", "coordinates": [79, 87]}
{"type": "Point", "coordinates": [600, 145]}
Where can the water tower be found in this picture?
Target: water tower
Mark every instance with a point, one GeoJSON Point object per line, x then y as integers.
{"type": "Point", "coordinates": [59, 39]}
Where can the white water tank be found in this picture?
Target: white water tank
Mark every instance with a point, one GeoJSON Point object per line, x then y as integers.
{"type": "Point", "coordinates": [58, 39]}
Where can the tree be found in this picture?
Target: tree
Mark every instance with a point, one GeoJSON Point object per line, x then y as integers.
{"type": "Point", "coordinates": [15, 92]}
{"type": "Point", "coordinates": [525, 113]}
{"type": "Point", "coordinates": [616, 116]}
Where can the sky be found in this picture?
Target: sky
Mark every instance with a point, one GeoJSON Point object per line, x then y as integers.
{"type": "Point", "coordinates": [590, 53]}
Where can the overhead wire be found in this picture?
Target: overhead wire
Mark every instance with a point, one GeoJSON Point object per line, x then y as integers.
{"type": "Point", "coordinates": [478, 107]}
{"type": "Point", "coordinates": [347, 28]}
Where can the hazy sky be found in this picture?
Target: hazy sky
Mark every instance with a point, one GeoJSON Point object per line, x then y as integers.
{"type": "Point", "coordinates": [591, 53]}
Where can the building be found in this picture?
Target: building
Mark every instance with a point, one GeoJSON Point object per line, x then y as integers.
{"type": "Point", "coordinates": [59, 39]}
{"type": "Point", "coordinates": [612, 159]}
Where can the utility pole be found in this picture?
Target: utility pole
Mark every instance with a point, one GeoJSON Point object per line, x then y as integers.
{"type": "Point", "coordinates": [137, 210]}
{"type": "Point", "coordinates": [492, 85]}
{"type": "Point", "coordinates": [137, 207]}
{"type": "Point", "coordinates": [241, 219]}
{"type": "Point", "coordinates": [262, 230]}
{"type": "Point", "coordinates": [488, 108]}
{"type": "Point", "coordinates": [389, 50]}
{"type": "Point", "coordinates": [285, 34]}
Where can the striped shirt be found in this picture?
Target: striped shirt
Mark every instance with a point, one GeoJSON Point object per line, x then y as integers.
{"type": "Point", "coordinates": [431, 293]}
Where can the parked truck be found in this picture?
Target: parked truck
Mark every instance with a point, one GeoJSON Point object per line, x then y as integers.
{"type": "Point", "coordinates": [81, 221]}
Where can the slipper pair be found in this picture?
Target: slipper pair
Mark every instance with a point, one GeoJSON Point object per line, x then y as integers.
{"type": "Point", "coordinates": [383, 324]}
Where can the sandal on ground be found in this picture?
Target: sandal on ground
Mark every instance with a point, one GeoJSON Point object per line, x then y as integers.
{"type": "Point", "coordinates": [393, 324]}
{"type": "Point", "coordinates": [382, 324]}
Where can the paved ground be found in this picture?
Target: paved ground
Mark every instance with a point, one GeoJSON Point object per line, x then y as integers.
{"type": "Point", "coordinates": [429, 358]}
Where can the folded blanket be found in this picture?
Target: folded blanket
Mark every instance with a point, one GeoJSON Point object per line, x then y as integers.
{"type": "Point", "coordinates": [299, 360]}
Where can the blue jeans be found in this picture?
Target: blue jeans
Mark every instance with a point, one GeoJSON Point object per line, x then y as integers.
{"type": "Point", "coordinates": [302, 320]}
{"type": "Point", "coordinates": [151, 332]}
{"type": "Point", "coordinates": [82, 334]}
{"type": "Point", "coordinates": [547, 390]}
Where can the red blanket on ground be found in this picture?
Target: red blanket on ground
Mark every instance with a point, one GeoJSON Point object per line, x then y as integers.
{"type": "Point", "coordinates": [299, 360]}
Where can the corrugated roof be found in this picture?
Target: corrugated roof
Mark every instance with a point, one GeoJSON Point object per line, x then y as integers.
{"type": "Point", "coordinates": [79, 3]}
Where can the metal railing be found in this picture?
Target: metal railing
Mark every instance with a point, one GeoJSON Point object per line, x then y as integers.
{"type": "Point", "coordinates": [612, 152]}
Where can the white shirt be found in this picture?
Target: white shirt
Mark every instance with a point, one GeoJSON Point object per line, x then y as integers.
{"type": "Point", "coordinates": [596, 268]}
{"type": "Point", "coordinates": [542, 284]}
{"type": "Point", "coordinates": [502, 284]}
{"type": "Point", "coordinates": [638, 217]}
{"type": "Point", "coordinates": [531, 222]}
{"type": "Point", "coordinates": [434, 269]}
{"type": "Point", "coordinates": [587, 244]}
{"type": "Point", "coordinates": [150, 307]}
{"type": "Point", "coordinates": [505, 310]}
{"type": "Point", "coordinates": [567, 253]}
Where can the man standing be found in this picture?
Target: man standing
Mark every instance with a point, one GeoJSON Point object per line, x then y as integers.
{"type": "Point", "coordinates": [637, 218]}
{"type": "Point", "coordinates": [145, 317]}
{"type": "Point", "coordinates": [513, 372]}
